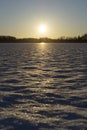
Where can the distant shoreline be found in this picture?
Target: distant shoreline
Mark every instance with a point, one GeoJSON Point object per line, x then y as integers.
{"type": "Point", "coordinates": [11, 39]}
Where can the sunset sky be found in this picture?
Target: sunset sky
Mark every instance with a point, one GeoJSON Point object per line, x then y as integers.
{"type": "Point", "coordinates": [23, 18]}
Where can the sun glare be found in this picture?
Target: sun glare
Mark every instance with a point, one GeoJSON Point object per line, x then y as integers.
{"type": "Point", "coordinates": [42, 29]}
{"type": "Point", "coordinates": [42, 43]}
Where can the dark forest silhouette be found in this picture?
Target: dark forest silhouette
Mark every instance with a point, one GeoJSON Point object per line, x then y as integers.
{"type": "Point", "coordinates": [11, 39]}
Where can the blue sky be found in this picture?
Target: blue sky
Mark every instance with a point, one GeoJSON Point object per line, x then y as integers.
{"type": "Point", "coordinates": [21, 18]}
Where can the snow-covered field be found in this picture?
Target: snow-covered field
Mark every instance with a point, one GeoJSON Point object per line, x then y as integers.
{"type": "Point", "coordinates": [43, 86]}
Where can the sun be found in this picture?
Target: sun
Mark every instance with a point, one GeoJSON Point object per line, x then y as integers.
{"type": "Point", "coordinates": [42, 29]}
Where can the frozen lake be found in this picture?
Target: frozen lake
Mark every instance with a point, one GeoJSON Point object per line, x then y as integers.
{"type": "Point", "coordinates": [43, 86]}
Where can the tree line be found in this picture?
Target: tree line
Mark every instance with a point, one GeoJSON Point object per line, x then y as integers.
{"type": "Point", "coordinates": [11, 39]}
